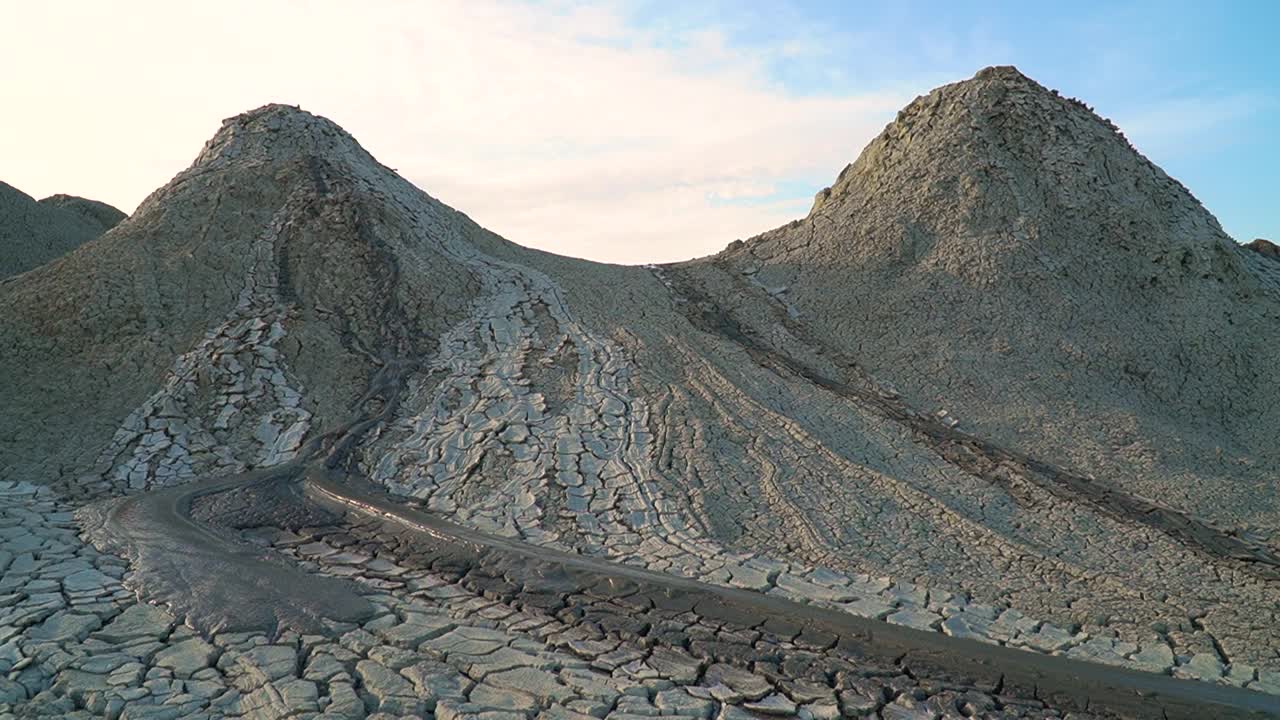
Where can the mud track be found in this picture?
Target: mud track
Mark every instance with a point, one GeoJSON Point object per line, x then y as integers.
{"type": "Point", "coordinates": [975, 455]}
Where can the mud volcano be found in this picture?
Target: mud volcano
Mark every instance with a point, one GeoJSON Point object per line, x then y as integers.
{"type": "Point", "coordinates": [989, 433]}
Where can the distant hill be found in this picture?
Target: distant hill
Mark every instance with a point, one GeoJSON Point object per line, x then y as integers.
{"type": "Point", "coordinates": [33, 233]}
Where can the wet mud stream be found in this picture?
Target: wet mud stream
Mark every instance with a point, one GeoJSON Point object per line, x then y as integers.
{"type": "Point", "coordinates": [204, 574]}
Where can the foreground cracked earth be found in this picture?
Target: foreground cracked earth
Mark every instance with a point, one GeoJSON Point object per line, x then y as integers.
{"type": "Point", "coordinates": [538, 510]}
{"type": "Point", "coordinates": [460, 624]}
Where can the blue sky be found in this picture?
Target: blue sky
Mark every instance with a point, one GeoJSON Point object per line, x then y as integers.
{"type": "Point", "coordinates": [625, 131]}
{"type": "Point", "coordinates": [1196, 86]}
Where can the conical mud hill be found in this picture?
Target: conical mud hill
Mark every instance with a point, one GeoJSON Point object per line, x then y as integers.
{"type": "Point", "coordinates": [283, 222]}
{"type": "Point", "coordinates": [1001, 253]}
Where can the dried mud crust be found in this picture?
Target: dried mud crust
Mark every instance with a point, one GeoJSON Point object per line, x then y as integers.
{"type": "Point", "coordinates": [646, 608]}
{"type": "Point", "coordinates": [1095, 521]}
{"type": "Point", "coordinates": [466, 625]}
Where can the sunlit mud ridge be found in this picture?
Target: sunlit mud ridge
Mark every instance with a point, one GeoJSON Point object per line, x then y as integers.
{"type": "Point", "coordinates": [298, 440]}
{"type": "Point", "coordinates": [529, 429]}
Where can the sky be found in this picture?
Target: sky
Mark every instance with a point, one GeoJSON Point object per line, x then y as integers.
{"type": "Point", "coordinates": [629, 131]}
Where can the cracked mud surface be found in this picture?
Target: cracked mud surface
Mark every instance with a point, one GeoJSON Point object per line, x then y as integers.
{"type": "Point", "coordinates": [347, 454]}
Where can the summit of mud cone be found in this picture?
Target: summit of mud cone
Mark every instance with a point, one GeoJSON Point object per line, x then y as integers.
{"type": "Point", "coordinates": [1002, 73]}
{"type": "Point", "coordinates": [992, 173]}
{"type": "Point", "coordinates": [273, 148]}
{"type": "Point", "coordinates": [274, 132]}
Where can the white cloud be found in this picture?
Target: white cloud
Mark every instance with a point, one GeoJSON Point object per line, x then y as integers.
{"type": "Point", "coordinates": [556, 126]}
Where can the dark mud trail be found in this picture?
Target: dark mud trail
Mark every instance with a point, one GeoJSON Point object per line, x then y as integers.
{"type": "Point", "coordinates": [204, 574]}
{"type": "Point", "coordinates": [973, 454]}
{"type": "Point", "coordinates": [182, 545]}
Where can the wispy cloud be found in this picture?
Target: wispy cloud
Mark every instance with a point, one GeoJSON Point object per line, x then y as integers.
{"type": "Point", "coordinates": [560, 126]}
{"type": "Point", "coordinates": [632, 130]}
{"type": "Point", "coordinates": [1175, 126]}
